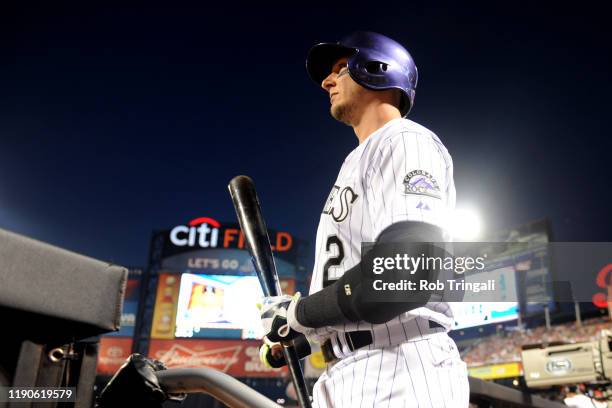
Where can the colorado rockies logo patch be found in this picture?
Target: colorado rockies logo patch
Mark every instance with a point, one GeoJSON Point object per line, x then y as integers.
{"type": "Point", "coordinates": [346, 198]}
{"type": "Point", "coordinates": [420, 182]}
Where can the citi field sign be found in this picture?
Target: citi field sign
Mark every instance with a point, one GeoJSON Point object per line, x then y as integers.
{"type": "Point", "coordinates": [208, 233]}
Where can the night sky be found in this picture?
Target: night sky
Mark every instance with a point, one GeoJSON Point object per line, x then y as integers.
{"type": "Point", "coordinates": [118, 121]}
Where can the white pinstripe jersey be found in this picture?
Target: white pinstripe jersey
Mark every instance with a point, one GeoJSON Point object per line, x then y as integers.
{"type": "Point", "coordinates": [401, 172]}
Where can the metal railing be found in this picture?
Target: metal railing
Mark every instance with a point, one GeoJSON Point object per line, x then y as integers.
{"type": "Point", "coordinates": [221, 386]}
{"type": "Point", "coordinates": [235, 394]}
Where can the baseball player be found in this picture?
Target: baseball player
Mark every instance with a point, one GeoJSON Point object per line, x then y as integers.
{"type": "Point", "coordinates": [395, 186]}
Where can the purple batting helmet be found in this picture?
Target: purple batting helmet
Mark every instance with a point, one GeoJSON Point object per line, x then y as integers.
{"type": "Point", "coordinates": [374, 61]}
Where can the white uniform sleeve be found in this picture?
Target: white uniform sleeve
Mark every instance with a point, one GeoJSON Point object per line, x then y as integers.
{"type": "Point", "coordinates": [409, 178]}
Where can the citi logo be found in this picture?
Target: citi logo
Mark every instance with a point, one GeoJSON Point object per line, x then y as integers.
{"type": "Point", "coordinates": [202, 231]}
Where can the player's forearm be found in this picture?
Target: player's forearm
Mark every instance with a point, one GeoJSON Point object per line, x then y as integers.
{"type": "Point", "coordinates": [322, 308]}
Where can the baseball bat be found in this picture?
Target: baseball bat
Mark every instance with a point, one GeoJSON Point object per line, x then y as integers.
{"type": "Point", "coordinates": [246, 204]}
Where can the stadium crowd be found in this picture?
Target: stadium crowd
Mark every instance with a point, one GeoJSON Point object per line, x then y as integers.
{"type": "Point", "coordinates": [506, 346]}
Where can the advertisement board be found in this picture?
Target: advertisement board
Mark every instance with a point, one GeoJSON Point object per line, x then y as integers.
{"type": "Point", "coordinates": [112, 354]}
{"type": "Point", "coordinates": [164, 313]}
{"type": "Point", "coordinates": [130, 304]}
{"type": "Point", "coordinates": [496, 371]}
{"type": "Point", "coordinates": [209, 306]}
{"type": "Point", "coordinates": [473, 311]}
{"type": "Point", "coordinates": [238, 358]}
{"type": "Point", "coordinates": [205, 245]}
{"type": "Point", "coordinates": [219, 306]}
{"type": "Point", "coordinates": [204, 285]}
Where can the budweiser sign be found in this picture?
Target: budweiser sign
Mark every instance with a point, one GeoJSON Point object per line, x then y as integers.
{"type": "Point", "coordinates": [239, 358]}
{"type": "Point", "coordinates": [180, 356]}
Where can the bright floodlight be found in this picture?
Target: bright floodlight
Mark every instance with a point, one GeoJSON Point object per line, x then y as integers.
{"type": "Point", "coordinates": [465, 225]}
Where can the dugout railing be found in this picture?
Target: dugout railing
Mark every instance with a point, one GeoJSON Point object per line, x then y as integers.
{"type": "Point", "coordinates": [488, 394]}
{"type": "Point", "coordinates": [234, 393]}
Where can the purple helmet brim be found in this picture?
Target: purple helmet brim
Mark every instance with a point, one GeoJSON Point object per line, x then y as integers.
{"type": "Point", "coordinates": [322, 57]}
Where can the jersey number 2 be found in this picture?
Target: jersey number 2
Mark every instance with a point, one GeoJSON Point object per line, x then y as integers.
{"type": "Point", "coordinates": [334, 260]}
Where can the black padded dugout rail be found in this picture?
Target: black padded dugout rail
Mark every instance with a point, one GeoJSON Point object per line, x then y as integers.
{"type": "Point", "coordinates": [52, 296]}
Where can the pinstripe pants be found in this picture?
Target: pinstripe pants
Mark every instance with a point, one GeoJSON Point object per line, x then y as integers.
{"type": "Point", "coordinates": [425, 373]}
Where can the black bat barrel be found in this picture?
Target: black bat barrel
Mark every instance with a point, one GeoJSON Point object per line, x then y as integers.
{"type": "Point", "coordinates": [246, 203]}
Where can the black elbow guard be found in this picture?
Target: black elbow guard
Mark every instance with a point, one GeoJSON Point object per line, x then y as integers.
{"type": "Point", "coordinates": [365, 293]}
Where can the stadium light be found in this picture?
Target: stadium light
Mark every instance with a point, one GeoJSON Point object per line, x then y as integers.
{"type": "Point", "coordinates": [465, 225]}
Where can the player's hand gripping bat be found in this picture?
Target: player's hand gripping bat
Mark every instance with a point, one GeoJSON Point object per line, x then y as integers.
{"type": "Point", "coordinates": [255, 232]}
